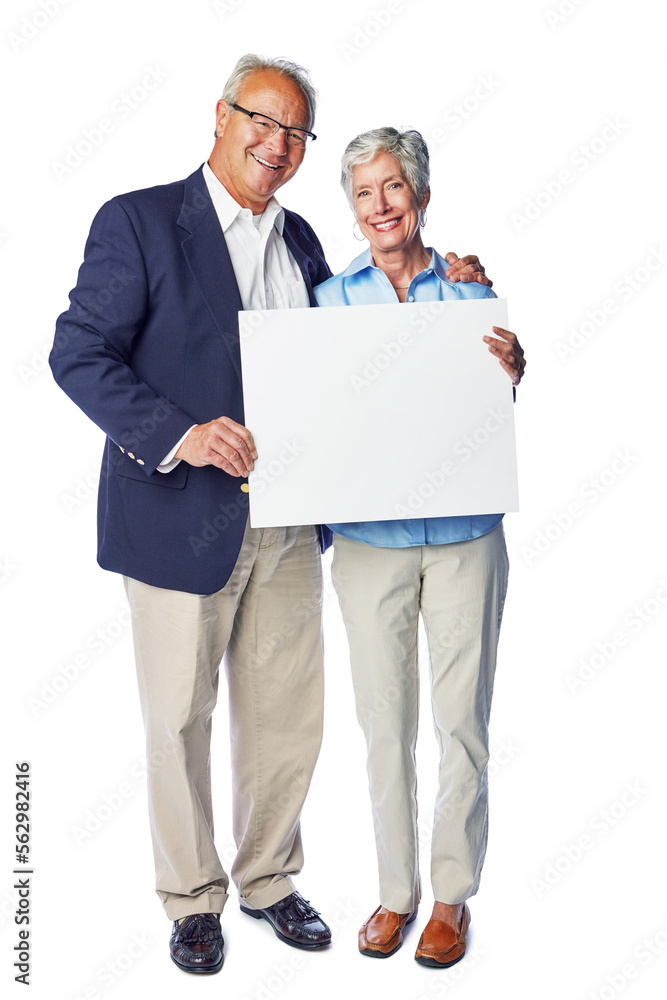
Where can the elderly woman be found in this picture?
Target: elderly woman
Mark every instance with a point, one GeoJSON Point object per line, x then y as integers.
{"type": "Point", "coordinates": [451, 569]}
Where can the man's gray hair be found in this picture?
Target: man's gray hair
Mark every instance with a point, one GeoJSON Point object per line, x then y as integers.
{"type": "Point", "coordinates": [252, 63]}
{"type": "Point", "coordinates": [409, 148]}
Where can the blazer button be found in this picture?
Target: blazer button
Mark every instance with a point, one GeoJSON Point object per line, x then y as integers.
{"type": "Point", "coordinates": [122, 449]}
{"type": "Point", "coordinates": [130, 455]}
{"type": "Point", "coordinates": [140, 461]}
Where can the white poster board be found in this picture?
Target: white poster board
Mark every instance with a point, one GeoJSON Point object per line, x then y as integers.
{"type": "Point", "coordinates": [377, 412]}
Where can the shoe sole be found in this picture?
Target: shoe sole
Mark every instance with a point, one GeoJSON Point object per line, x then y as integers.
{"type": "Point", "coordinates": [374, 953]}
{"type": "Point", "coordinates": [432, 963]}
{"type": "Point", "coordinates": [199, 972]}
{"type": "Point", "coordinates": [294, 944]}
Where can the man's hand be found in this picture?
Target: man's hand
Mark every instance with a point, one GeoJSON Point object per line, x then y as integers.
{"type": "Point", "coordinates": [221, 442]}
{"type": "Point", "coordinates": [465, 269]}
{"type": "Point", "coordinates": [508, 351]}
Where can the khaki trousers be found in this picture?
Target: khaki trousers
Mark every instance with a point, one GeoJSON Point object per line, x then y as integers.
{"type": "Point", "coordinates": [460, 590]}
{"type": "Point", "coordinates": [266, 622]}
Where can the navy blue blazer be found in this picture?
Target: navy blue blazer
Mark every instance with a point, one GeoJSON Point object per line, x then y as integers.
{"type": "Point", "coordinates": [148, 347]}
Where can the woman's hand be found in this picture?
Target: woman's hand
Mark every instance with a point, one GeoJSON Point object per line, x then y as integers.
{"type": "Point", "coordinates": [509, 352]}
{"type": "Point", "coordinates": [465, 269]}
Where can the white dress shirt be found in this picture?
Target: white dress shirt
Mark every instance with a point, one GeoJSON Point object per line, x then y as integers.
{"type": "Point", "coordinates": [267, 274]}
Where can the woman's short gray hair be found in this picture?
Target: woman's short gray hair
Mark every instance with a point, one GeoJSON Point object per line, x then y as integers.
{"type": "Point", "coordinates": [252, 63]}
{"type": "Point", "coordinates": [409, 148]}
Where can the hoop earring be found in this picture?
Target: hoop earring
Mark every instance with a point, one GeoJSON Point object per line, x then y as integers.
{"type": "Point", "coordinates": [422, 217]}
{"type": "Point", "coordinates": [360, 238]}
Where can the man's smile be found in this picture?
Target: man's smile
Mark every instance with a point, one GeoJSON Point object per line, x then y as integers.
{"type": "Point", "coordinates": [265, 163]}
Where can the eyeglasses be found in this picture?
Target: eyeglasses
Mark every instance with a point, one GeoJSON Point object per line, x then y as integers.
{"type": "Point", "coordinates": [268, 127]}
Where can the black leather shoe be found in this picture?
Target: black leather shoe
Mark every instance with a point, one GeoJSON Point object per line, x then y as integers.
{"type": "Point", "coordinates": [295, 922]}
{"type": "Point", "coordinates": [196, 943]}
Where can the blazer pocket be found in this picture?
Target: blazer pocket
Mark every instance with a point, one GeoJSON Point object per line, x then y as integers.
{"type": "Point", "coordinates": [128, 468]}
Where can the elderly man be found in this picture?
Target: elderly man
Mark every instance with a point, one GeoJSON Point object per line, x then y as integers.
{"type": "Point", "coordinates": [149, 349]}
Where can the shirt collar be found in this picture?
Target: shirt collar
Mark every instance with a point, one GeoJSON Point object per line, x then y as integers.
{"type": "Point", "coordinates": [440, 266]}
{"type": "Point", "coordinates": [228, 209]}
{"type": "Point", "coordinates": [365, 260]}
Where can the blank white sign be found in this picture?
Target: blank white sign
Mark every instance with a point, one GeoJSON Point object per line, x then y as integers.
{"type": "Point", "coordinates": [377, 412]}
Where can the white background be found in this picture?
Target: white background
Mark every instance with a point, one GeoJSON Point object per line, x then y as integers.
{"type": "Point", "coordinates": [536, 95]}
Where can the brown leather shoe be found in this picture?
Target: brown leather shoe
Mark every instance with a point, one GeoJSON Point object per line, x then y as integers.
{"type": "Point", "coordinates": [382, 934]}
{"type": "Point", "coordinates": [295, 922]}
{"type": "Point", "coordinates": [196, 943]}
{"type": "Point", "coordinates": [442, 945]}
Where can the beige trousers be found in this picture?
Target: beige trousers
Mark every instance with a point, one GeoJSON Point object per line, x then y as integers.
{"type": "Point", "coordinates": [266, 622]}
{"type": "Point", "coordinates": [460, 590]}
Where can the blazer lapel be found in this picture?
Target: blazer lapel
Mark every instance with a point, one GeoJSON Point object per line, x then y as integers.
{"type": "Point", "coordinates": [306, 265]}
{"type": "Point", "coordinates": [207, 255]}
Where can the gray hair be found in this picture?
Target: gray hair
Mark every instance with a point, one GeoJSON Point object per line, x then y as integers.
{"type": "Point", "coordinates": [252, 63]}
{"type": "Point", "coordinates": [409, 148]}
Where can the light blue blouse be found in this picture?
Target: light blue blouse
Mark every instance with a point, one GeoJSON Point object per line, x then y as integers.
{"type": "Point", "coordinates": [361, 283]}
